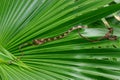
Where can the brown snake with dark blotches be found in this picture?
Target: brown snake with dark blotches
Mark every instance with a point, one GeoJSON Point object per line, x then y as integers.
{"type": "Point", "coordinates": [109, 35]}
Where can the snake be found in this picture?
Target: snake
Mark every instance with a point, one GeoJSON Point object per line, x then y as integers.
{"type": "Point", "coordinates": [45, 40]}
{"type": "Point", "coordinates": [109, 35]}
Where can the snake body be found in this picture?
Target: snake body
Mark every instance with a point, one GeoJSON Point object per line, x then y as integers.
{"type": "Point", "coordinates": [108, 36]}
{"type": "Point", "coordinates": [41, 41]}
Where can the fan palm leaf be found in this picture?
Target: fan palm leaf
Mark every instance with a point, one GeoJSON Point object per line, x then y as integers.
{"type": "Point", "coordinates": [70, 58]}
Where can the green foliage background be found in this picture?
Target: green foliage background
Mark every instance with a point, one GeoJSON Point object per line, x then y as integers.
{"type": "Point", "coordinates": [71, 58]}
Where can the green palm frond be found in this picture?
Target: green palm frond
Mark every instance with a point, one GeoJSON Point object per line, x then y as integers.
{"type": "Point", "coordinates": [70, 58]}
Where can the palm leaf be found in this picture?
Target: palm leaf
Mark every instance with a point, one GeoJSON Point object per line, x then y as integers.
{"type": "Point", "coordinates": [70, 58]}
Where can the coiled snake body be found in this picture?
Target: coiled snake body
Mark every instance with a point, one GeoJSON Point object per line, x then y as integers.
{"type": "Point", "coordinates": [109, 35]}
